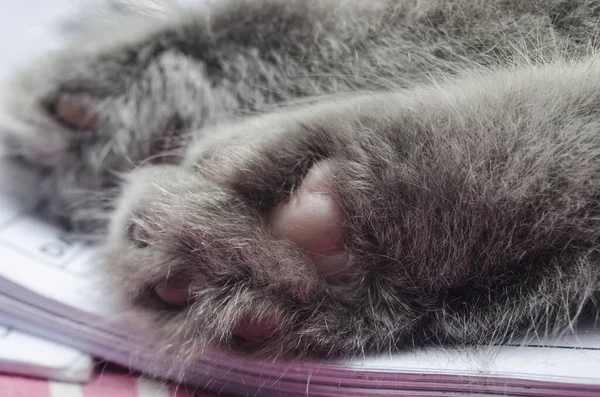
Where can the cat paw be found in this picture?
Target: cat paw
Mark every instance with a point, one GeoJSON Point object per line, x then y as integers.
{"type": "Point", "coordinates": [52, 153]}
{"type": "Point", "coordinates": [76, 122]}
{"type": "Point", "coordinates": [211, 270]}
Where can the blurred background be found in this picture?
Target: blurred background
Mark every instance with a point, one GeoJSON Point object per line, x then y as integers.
{"type": "Point", "coordinates": [28, 27]}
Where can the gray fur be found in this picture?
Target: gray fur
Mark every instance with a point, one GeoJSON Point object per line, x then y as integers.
{"type": "Point", "coordinates": [465, 142]}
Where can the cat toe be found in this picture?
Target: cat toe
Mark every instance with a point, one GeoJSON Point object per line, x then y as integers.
{"type": "Point", "coordinates": [313, 220]}
{"type": "Point", "coordinates": [178, 293]}
{"type": "Point", "coordinates": [175, 293]}
{"type": "Point", "coordinates": [76, 111]}
{"type": "Point", "coordinates": [43, 139]}
{"type": "Point", "coordinates": [254, 330]}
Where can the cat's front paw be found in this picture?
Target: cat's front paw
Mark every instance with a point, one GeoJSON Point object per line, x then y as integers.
{"type": "Point", "coordinates": [52, 151]}
{"type": "Point", "coordinates": [57, 132]}
{"type": "Point", "coordinates": [211, 270]}
{"type": "Point", "coordinates": [77, 121]}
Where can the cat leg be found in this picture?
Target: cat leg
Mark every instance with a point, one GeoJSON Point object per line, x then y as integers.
{"type": "Point", "coordinates": [446, 201]}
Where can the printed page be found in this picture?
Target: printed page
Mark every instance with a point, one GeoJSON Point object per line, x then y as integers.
{"type": "Point", "coordinates": [21, 353]}
{"type": "Point", "coordinates": [40, 258]}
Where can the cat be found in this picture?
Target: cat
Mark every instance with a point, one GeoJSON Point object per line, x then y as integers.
{"type": "Point", "coordinates": [327, 177]}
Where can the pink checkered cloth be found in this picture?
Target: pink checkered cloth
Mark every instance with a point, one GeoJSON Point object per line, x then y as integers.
{"type": "Point", "coordinates": [111, 382]}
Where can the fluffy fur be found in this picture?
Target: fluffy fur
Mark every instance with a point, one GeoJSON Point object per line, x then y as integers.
{"type": "Point", "coordinates": [464, 138]}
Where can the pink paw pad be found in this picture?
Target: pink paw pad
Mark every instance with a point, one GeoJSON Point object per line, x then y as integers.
{"type": "Point", "coordinates": [175, 292]}
{"type": "Point", "coordinates": [312, 219]}
{"type": "Point", "coordinates": [77, 111]}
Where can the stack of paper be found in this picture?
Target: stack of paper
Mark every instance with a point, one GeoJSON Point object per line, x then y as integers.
{"type": "Point", "coordinates": [48, 289]}
{"type": "Point", "coordinates": [23, 354]}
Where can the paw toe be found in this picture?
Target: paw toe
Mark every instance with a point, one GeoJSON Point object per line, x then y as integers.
{"type": "Point", "coordinates": [175, 292]}
{"type": "Point", "coordinates": [253, 330]}
{"type": "Point", "coordinates": [312, 219]}
{"type": "Point", "coordinates": [77, 111]}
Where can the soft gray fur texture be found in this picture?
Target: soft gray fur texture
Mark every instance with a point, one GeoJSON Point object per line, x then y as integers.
{"type": "Point", "coordinates": [464, 138]}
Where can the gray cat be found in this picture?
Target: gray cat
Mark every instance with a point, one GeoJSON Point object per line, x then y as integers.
{"type": "Point", "coordinates": [329, 177]}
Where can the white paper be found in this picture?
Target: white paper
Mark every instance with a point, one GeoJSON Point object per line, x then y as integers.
{"type": "Point", "coordinates": [23, 354]}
